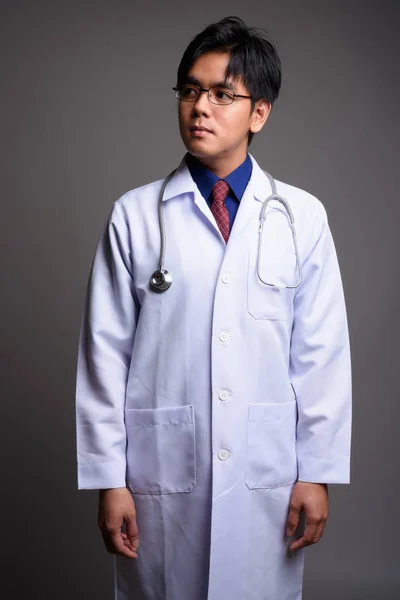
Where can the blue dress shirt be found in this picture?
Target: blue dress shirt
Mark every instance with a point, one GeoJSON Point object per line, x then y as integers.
{"type": "Point", "coordinates": [237, 181]}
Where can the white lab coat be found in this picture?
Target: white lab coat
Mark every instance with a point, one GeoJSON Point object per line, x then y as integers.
{"type": "Point", "coordinates": [210, 400]}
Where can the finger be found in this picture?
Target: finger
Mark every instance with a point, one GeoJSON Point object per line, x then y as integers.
{"type": "Point", "coordinates": [132, 532]}
{"type": "Point", "coordinates": [306, 539]}
{"type": "Point", "coordinates": [319, 532]}
{"type": "Point", "coordinates": [292, 520]}
{"type": "Point", "coordinates": [309, 538]}
{"type": "Point", "coordinates": [114, 542]}
{"type": "Point", "coordinates": [120, 547]}
{"type": "Point", "coordinates": [129, 545]}
{"type": "Point", "coordinates": [127, 542]}
{"type": "Point", "coordinates": [298, 544]}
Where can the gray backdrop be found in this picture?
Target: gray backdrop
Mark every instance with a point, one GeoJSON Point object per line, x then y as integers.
{"type": "Point", "coordinates": [87, 113]}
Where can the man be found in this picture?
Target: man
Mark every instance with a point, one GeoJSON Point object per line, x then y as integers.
{"type": "Point", "coordinates": [212, 415]}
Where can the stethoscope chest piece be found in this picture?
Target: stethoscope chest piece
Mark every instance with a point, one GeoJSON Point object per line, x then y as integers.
{"type": "Point", "coordinates": [160, 281]}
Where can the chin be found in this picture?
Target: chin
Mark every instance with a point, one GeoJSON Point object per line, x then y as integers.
{"type": "Point", "coordinates": [199, 149]}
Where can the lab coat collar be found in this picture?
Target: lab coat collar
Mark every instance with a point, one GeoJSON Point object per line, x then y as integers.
{"type": "Point", "coordinates": [182, 182]}
{"type": "Point", "coordinates": [259, 184]}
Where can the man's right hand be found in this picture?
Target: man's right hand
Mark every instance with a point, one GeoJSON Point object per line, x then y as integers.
{"type": "Point", "coordinates": [116, 507]}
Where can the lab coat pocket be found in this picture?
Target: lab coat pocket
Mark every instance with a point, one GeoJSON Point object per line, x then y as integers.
{"type": "Point", "coordinates": [265, 301]}
{"type": "Point", "coordinates": [271, 445]}
{"type": "Point", "coordinates": [161, 449]}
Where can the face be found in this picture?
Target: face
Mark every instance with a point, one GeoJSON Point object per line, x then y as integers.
{"type": "Point", "coordinates": [227, 126]}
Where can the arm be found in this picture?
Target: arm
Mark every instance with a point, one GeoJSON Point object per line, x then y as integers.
{"type": "Point", "coordinates": [320, 369]}
{"type": "Point", "coordinates": [105, 347]}
{"type": "Point", "coordinates": [320, 373]}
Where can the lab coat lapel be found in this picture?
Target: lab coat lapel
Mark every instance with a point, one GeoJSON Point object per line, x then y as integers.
{"type": "Point", "coordinates": [181, 183]}
{"type": "Point", "coordinates": [256, 191]}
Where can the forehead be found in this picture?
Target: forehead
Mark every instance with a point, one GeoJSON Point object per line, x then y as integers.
{"type": "Point", "coordinates": [210, 69]}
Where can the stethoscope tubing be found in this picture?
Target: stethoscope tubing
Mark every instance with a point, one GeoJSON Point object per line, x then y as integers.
{"type": "Point", "coordinates": [161, 279]}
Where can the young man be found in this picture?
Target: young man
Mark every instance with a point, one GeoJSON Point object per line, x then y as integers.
{"type": "Point", "coordinates": [212, 415]}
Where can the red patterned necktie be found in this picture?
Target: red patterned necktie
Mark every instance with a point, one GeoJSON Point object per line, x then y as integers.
{"type": "Point", "coordinates": [218, 208]}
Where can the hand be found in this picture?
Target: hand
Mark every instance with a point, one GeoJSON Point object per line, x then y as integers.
{"type": "Point", "coordinates": [116, 507]}
{"type": "Point", "coordinates": [313, 499]}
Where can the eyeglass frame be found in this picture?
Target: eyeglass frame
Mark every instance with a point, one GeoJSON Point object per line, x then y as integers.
{"type": "Point", "coordinates": [201, 90]}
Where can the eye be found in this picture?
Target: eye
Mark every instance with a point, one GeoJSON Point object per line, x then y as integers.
{"type": "Point", "coordinates": [222, 94]}
{"type": "Point", "coordinates": [188, 92]}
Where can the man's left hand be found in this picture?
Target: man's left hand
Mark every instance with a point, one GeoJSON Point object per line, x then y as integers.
{"type": "Point", "coordinates": [312, 498]}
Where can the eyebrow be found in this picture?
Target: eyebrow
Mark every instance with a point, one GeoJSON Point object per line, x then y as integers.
{"type": "Point", "coordinates": [225, 84]}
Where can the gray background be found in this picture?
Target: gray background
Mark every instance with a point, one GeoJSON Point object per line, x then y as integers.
{"type": "Point", "coordinates": [86, 114]}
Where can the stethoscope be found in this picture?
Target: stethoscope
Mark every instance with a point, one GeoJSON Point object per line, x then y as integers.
{"type": "Point", "coordinates": [161, 279]}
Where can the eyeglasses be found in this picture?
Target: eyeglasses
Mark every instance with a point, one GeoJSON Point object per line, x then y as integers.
{"type": "Point", "coordinates": [216, 94]}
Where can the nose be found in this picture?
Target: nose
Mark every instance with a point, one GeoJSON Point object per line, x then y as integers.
{"type": "Point", "coordinates": [202, 104]}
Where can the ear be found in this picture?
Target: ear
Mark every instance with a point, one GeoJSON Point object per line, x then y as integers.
{"type": "Point", "coordinates": [259, 115]}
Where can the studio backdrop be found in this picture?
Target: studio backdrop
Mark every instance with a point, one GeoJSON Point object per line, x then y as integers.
{"type": "Point", "coordinates": [87, 113]}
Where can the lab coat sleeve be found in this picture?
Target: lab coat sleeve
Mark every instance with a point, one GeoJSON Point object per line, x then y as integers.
{"type": "Point", "coordinates": [105, 347]}
{"type": "Point", "coordinates": [320, 368]}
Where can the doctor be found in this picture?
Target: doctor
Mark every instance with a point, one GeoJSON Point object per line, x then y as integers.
{"type": "Point", "coordinates": [212, 416]}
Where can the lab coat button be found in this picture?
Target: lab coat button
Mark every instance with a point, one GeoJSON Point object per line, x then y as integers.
{"type": "Point", "coordinates": [223, 395]}
{"type": "Point", "coordinates": [223, 454]}
{"type": "Point", "coordinates": [225, 277]}
{"type": "Point", "coordinates": [224, 336]}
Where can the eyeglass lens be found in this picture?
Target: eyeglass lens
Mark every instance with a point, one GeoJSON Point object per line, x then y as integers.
{"type": "Point", "coordinates": [216, 94]}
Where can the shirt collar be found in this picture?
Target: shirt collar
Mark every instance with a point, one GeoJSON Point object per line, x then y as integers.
{"type": "Point", "coordinates": [182, 182]}
{"type": "Point", "coordinates": [205, 179]}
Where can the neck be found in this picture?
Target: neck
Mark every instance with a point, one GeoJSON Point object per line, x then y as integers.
{"type": "Point", "coordinates": [222, 166]}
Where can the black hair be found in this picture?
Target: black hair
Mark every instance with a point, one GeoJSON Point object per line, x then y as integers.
{"type": "Point", "coordinates": [253, 58]}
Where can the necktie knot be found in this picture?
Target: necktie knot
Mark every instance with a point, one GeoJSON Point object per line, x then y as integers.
{"type": "Point", "coordinates": [220, 191]}
{"type": "Point", "coordinates": [218, 208]}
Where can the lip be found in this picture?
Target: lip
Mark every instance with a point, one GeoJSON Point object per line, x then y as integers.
{"type": "Point", "coordinates": [199, 131]}
{"type": "Point", "coordinates": [200, 128]}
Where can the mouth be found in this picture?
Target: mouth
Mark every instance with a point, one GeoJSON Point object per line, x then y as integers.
{"type": "Point", "coordinates": [199, 131]}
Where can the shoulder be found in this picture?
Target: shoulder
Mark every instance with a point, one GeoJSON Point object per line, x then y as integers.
{"type": "Point", "coordinates": [137, 195]}
{"type": "Point", "coordinates": [303, 204]}
{"type": "Point", "coordinates": [132, 208]}
{"type": "Point", "coordinates": [310, 217]}
{"type": "Point", "coordinates": [140, 205]}
{"type": "Point", "coordinates": [135, 204]}
{"type": "Point", "coordinates": [145, 197]}
{"type": "Point", "coordinates": [300, 200]}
